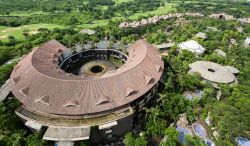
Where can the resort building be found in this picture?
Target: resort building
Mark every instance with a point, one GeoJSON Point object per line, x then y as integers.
{"type": "Point", "coordinates": [192, 46]}
{"type": "Point", "coordinates": [244, 20]}
{"type": "Point", "coordinates": [95, 94]}
{"type": "Point", "coordinates": [165, 46]}
{"type": "Point", "coordinates": [247, 42]}
{"type": "Point", "coordinates": [220, 52]}
{"type": "Point", "coordinates": [88, 31]}
{"type": "Point", "coordinates": [201, 35]}
{"type": "Point", "coordinates": [222, 16]}
{"type": "Point", "coordinates": [214, 73]}
{"type": "Point", "coordinates": [155, 19]}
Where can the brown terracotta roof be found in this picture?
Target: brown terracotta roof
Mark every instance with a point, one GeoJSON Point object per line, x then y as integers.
{"type": "Point", "coordinates": [44, 87]}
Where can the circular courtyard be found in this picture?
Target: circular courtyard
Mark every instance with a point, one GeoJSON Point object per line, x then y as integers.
{"type": "Point", "coordinates": [93, 62]}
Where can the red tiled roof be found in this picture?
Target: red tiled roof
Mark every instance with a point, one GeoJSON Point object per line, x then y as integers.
{"type": "Point", "coordinates": [60, 93]}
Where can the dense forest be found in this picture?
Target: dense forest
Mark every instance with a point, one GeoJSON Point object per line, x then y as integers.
{"type": "Point", "coordinates": [231, 113]}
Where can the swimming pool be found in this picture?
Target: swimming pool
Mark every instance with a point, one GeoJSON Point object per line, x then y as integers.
{"type": "Point", "coordinates": [242, 141]}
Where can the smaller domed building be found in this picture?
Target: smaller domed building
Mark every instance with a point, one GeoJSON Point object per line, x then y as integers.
{"type": "Point", "coordinates": [215, 73]}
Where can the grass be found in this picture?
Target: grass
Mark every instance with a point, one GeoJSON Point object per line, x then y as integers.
{"type": "Point", "coordinates": [3, 27]}
{"type": "Point", "coordinates": [103, 8]}
{"type": "Point", "coordinates": [94, 23]}
{"type": "Point", "coordinates": [160, 11]}
{"type": "Point", "coordinates": [122, 1]}
{"type": "Point", "coordinates": [25, 14]}
{"type": "Point", "coordinates": [17, 32]}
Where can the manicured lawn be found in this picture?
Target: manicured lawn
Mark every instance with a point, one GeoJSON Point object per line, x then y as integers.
{"type": "Point", "coordinates": [23, 14]}
{"type": "Point", "coordinates": [3, 27]}
{"type": "Point", "coordinates": [17, 32]}
{"type": "Point", "coordinates": [94, 23]}
{"type": "Point", "coordinates": [161, 10]}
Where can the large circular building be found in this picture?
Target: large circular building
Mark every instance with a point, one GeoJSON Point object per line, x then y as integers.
{"type": "Point", "coordinates": [95, 94]}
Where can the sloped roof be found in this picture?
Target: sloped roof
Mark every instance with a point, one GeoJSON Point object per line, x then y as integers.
{"type": "Point", "coordinates": [77, 95]}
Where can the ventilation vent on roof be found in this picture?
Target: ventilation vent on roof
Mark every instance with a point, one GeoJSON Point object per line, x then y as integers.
{"type": "Point", "coordinates": [130, 91]}
{"type": "Point", "coordinates": [158, 68]}
{"type": "Point", "coordinates": [149, 80]}
{"type": "Point", "coordinates": [24, 91]}
{"type": "Point", "coordinates": [16, 79]}
{"type": "Point", "coordinates": [56, 56]}
{"type": "Point", "coordinates": [44, 100]}
{"type": "Point", "coordinates": [103, 100]}
{"type": "Point", "coordinates": [60, 51]}
{"type": "Point", "coordinates": [73, 103]}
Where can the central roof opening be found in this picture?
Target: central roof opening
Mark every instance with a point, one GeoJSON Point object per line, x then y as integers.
{"type": "Point", "coordinates": [96, 69]}
{"type": "Point", "coordinates": [93, 62]}
{"type": "Point", "coordinates": [211, 70]}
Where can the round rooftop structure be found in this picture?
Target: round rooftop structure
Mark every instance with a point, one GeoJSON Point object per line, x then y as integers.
{"type": "Point", "coordinates": [214, 72]}
{"type": "Point", "coordinates": [42, 82]}
{"type": "Point", "coordinates": [192, 46]}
